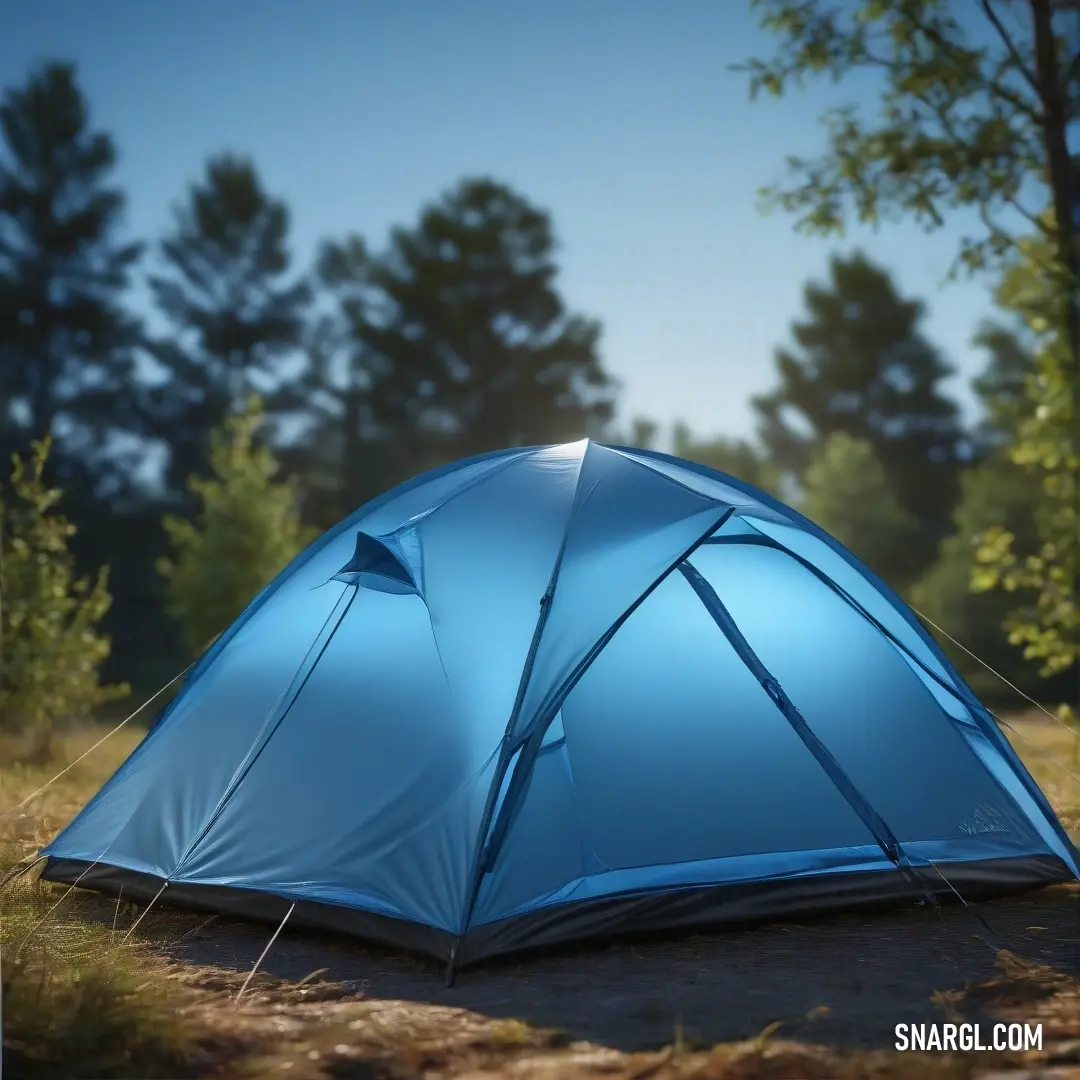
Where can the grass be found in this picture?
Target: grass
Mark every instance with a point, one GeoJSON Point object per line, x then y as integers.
{"type": "Point", "coordinates": [23, 832]}
{"type": "Point", "coordinates": [80, 1000]}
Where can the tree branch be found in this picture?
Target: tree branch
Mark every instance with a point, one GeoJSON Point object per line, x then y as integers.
{"type": "Point", "coordinates": [1026, 214]}
{"type": "Point", "coordinates": [993, 87]}
{"type": "Point", "coordinates": [1010, 45]}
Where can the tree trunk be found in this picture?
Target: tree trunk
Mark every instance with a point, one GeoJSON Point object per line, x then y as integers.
{"type": "Point", "coordinates": [1050, 77]}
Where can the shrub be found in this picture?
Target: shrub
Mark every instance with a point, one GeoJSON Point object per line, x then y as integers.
{"type": "Point", "coordinates": [50, 646]}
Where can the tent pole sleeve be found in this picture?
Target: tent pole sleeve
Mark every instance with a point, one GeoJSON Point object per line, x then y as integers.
{"type": "Point", "coordinates": [769, 542]}
{"type": "Point", "coordinates": [984, 721]}
{"type": "Point", "coordinates": [276, 716]}
{"type": "Point", "coordinates": [835, 771]}
{"type": "Point", "coordinates": [494, 832]}
{"type": "Point", "coordinates": [481, 854]}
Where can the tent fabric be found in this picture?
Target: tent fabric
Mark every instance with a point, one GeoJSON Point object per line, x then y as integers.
{"type": "Point", "coordinates": [564, 691]}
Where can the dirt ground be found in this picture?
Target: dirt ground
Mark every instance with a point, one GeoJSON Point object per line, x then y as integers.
{"type": "Point", "coordinates": [846, 980]}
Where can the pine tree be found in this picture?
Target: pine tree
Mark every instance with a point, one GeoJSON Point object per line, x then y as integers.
{"type": "Point", "coordinates": [848, 493]}
{"type": "Point", "coordinates": [235, 314]}
{"type": "Point", "coordinates": [457, 340]}
{"type": "Point", "coordinates": [245, 529]}
{"type": "Point", "coordinates": [864, 368]}
{"type": "Point", "coordinates": [67, 368]}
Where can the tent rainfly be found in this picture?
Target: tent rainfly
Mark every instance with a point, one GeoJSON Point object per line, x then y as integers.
{"type": "Point", "coordinates": [563, 692]}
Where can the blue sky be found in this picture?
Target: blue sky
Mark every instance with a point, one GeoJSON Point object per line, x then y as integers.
{"type": "Point", "coordinates": [618, 116]}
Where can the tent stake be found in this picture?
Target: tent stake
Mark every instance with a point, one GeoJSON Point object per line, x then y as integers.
{"type": "Point", "coordinates": [451, 966]}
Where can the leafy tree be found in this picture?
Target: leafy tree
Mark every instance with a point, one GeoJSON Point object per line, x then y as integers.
{"type": "Point", "coordinates": [972, 115]}
{"type": "Point", "coordinates": [1045, 447]}
{"type": "Point", "coordinates": [66, 340]}
{"type": "Point", "coordinates": [51, 649]}
{"type": "Point", "coordinates": [235, 316]}
{"type": "Point", "coordinates": [245, 530]}
{"type": "Point", "coordinates": [457, 340]}
{"type": "Point", "coordinates": [864, 368]}
{"type": "Point", "coordinates": [997, 493]}
{"type": "Point", "coordinates": [736, 457]}
{"type": "Point", "coordinates": [848, 493]}
{"type": "Point", "coordinates": [1002, 387]}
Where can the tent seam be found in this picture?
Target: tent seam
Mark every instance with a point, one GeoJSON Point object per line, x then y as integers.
{"type": "Point", "coordinates": [676, 481]}
{"type": "Point", "coordinates": [480, 853]}
{"type": "Point", "coordinates": [578, 815]}
{"type": "Point", "coordinates": [536, 732]}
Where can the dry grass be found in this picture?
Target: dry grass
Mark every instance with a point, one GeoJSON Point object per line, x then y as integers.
{"type": "Point", "coordinates": [78, 999]}
{"type": "Point", "coordinates": [81, 1001]}
{"type": "Point", "coordinates": [25, 830]}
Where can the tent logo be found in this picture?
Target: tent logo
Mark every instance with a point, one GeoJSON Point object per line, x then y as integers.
{"type": "Point", "coordinates": [985, 820]}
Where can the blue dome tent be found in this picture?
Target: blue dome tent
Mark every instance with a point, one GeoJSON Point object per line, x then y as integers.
{"type": "Point", "coordinates": [554, 693]}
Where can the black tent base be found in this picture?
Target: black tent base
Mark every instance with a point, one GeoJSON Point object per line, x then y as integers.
{"type": "Point", "coordinates": [692, 908]}
{"type": "Point", "coordinates": [252, 905]}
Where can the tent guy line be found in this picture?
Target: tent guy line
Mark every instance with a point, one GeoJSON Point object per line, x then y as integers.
{"type": "Point", "coordinates": [108, 735]}
{"type": "Point", "coordinates": [1038, 749]}
{"type": "Point", "coordinates": [993, 671]}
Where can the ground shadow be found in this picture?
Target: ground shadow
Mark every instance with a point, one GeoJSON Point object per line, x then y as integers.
{"type": "Point", "coordinates": [871, 970]}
